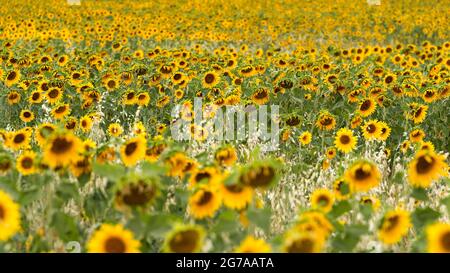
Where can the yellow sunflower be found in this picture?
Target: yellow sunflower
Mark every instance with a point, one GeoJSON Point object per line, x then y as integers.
{"type": "Point", "coordinates": [362, 176]}
{"type": "Point", "coordinates": [210, 79]}
{"type": "Point", "coordinates": [426, 167]}
{"type": "Point", "coordinates": [9, 217]}
{"type": "Point", "coordinates": [26, 163]}
{"type": "Point", "coordinates": [345, 141]}
{"type": "Point", "coordinates": [305, 138]}
{"type": "Point", "coordinates": [204, 202]}
{"type": "Point", "coordinates": [438, 238]}
{"type": "Point", "coordinates": [371, 129]}
{"type": "Point", "coordinates": [113, 239]}
{"type": "Point", "coordinates": [252, 245]}
{"type": "Point", "coordinates": [133, 150]}
{"type": "Point", "coordinates": [236, 196]}
{"type": "Point", "coordinates": [184, 239]}
{"type": "Point", "coordinates": [61, 149]}
{"type": "Point", "coordinates": [322, 199]}
{"type": "Point", "coordinates": [115, 129]}
{"type": "Point", "coordinates": [394, 226]}
{"type": "Point", "coordinates": [367, 107]}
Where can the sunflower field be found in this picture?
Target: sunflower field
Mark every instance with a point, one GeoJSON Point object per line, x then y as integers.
{"type": "Point", "coordinates": [89, 163]}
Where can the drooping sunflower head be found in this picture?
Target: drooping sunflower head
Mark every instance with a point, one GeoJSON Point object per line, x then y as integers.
{"type": "Point", "coordinates": [6, 164]}
{"type": "Point", "coordinates": [362, 176]}
{"type": "Point", "coordinates": [326, 121]}
{"type": "Point", "coordinates": [113, 239]}
{"type": "Point", "coordinates": [341, 189]}
{"type": "Point", "coordinates": [259, 174]}
{"type": "Point", "coordinates": [136, 192]}
{"type": "Point", "coordinates": [184, 239]}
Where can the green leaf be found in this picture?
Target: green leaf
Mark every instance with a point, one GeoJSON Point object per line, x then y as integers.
{"type": "Point", "coordinates": [152, 169]}
{"type": "Point", "coordinates": [159, 224]}
{"type": "Point", "coordinates": [420, 194]}
{"type": "Point", "coordinates": [226, 222]}
{"type": "Point", "coordinates": [65, 226]}
{"type": "Point", "coordinates": [112, 172]}
{"type": "Point", "coordinates": [423, 216]}
{"type": "Point", "coordinates": [340, 208]}
{"type": "Point", "coordinates": [260, 217]}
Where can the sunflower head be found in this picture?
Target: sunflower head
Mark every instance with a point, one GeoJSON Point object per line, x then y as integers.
{"type": "Point", "coordinates": [362, 176]}
{"type": "Point", "coordinates": [136, 192]}
{"type": "Point", "coordinates": [184, 239]}
{"type": "Point", "coordinates": [113, 239]}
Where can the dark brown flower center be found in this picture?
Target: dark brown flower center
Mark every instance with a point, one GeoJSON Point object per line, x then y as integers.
{"type": "Point", "coordinates": [61, 145]}
{"type": "Point", "coordinates": [184, 241]}
{"type": "Point", "coordinates": [304, 245]}
{"type": "Point", "coordinates": [344, 139]}
{"type": "Point", "coordinates": [392, 222]}
{"type": "Point", "coordinates": [12, 76]}
{"type": "Point", "coordinates": [445, 240]}
{"type": "Point", "coordinates": [19, 138]}
{"type": "Point", "coordinates": [205, 198]}
{"type": "Point", "coordinates": [27, 163]}
{"type": "Point", "coordinates": [130, 148]}
{"type": "Point", "coordinates": [360, 174]}
{"type": "Point", "coordinates": [365, 105]}
{"type": "Point", "coordinates": [209, 78]}
{"type": "Point", "coordinates": [423, 165]}
{"type": "Point", "coordinates": [115, 245]}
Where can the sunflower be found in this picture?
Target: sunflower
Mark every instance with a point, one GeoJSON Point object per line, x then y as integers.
{"type": "Point", "coordinates": [302, 242]}
{"type": "Point", "coordinates": [371, 129]}
{"type": "Point", "coordinates": [86, 123]}
{"type": "Point", "coordinates": [367, 107]}
{"type": "Point", "coordinates": [427, 145]}
{"type": "Point", "coordinates": [259, 175]}
{"type": "Point", "coordinates": [226, 156]}
{"type": "Point", "coordinates": [53, 95]}
{"type": "Point", "coordinates": [341, 189]}
{"type": "Point", "coordinates": [12, 78]}
{"type": "Point", "coordinates": [394, 226]}
{"type": "Point", "coordinates": [177, 163]}
{"type": "Point", "coordinates": [61, 111]}
{"type": "Point", "coordinates": [204, 202]}
{"type": "Point", "coordinates": [370, 200]}
{"type": "Point", "coordinates": [5, 164]}
{"type": "Point", "coordinates": [305, 138]}
{"type": "Point", "coordinates": [260, 96]}
{"type": "Point", "coordinates": [61, 149]}
{"type": "Point", "coordinates": [113, 239]}
{"type": "Point", "coordinates": [26, 116]}
{"type": "Point", "coordinates": [416, 135]}
{"type": "Point", "coordinates": [26, 163]}
{"type": "Point", "coordinates": [19, 140]}
{"type": "Point", "coordinates": [143, 99]}
{"type": "Point", "coordinates": [438, 238]}
{"type": "Point", "coordinates": [322, 199]}
{"type": "Point", "coordinates": [184, 239]}
{"type": "Point", "coordinates": [319, 220]}
{"type": "Point", "coordinates": [136, 192]}
{"type": "Point", "coordinates": [345, 141]}
{"type": "Point", "coordinates": [133, 150]}
{"type": "Point", "coordinates": [426, 167]}
{"type": "Point", "coordinates": [385, 131]}
{"type": "Point", "coordinates": [236, 196]}
{"type": "Point", "coordinates": [42, 132]}
{"type": "Point", "coordinates": [153, 152]}
{"type": "Point", "coordinates": [210, 79]}
{"type": "Point", "coordinates": [115, 129]}
{"type": "Point", "coordinates": [331, 153]}
{"type": "Point", "coordinates": [9, 217]}
{"type": "Point", "coordinates": [208, 175]}
{"type": "Point", "coordinates": [111, 84]}
{"type": "Point", "coordinates": [252, 245]}
{"type": "Point", "coordinates": [35, 97]}
{"type": "Point", "coordinates": [362, 176]}
{"type": "Point", "coordinates": [13, 98]}
{"type": "Point", "coordinates": [326, 121]}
